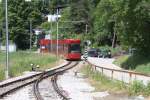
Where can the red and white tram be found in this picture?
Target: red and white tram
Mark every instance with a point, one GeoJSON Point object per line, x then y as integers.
{"type": "Point", "coordinates": [69, 48]}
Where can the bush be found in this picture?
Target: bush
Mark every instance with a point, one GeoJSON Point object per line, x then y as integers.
{"type": "Point", "coordinates": [134, 62]}
{"type": "Point", "coordinates": [114, 51]}
{"type": "Point", "coordinates": [147, 89]}
{"type": "Point", "coordinates": [136, 88]}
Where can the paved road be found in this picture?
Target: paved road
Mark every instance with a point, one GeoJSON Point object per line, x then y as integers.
{"type": "Point", "coordinates": [108, 63]}
{"type": "Point", "coordinates": [103, 62]}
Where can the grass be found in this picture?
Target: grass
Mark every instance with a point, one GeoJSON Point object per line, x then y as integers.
{"type": "Point", "coordinates": [138, 88]}
{"type": "Point", "coordinates": [103, 83]}
{"type": "Point", "coordinates": [121, 60]}
{"type": "Point", "coordinates": [20, 62]}
{"type": "Point", "coordinates": [135, 62]}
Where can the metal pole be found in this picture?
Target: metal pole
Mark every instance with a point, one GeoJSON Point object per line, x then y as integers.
{"type": "Point", "coordinates": [30, 34]}
{"type": "Point", "coordinates": [51, 37]}
{"type": "Point", "coordinates": [57, 33]}
{"type": "Point", "coordinates": [7, 44]}
{"type": "Point", "coordinates": [1, 31]}
{"type": "Point", "coordinates": [0, 40]}
{"type": "Point", "coordinates": [86, 28]}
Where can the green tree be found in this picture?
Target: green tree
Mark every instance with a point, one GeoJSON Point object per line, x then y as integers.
{"type": "Point", "coordinates": [19, 14]}
{"type": "Point", "coordinates": [53, 4]}
{"type": "Point", "coordinates": [80, 11]}
{"type": "Point", "coordinates": [1, 23]}
{"type": "Point", "coordinates": [65, 22]}
{"type": "Point", "coordinates": [104, 22]}
{"type": "Point", "coordinates": [134, 24]}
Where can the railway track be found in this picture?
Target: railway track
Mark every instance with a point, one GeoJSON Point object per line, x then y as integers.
{"type": "Point", "coordinates": [54, 75]}
{"type": "Point", "coordinates": [55, 86]}
{"type": "Point", "coordinates": [11, 86]}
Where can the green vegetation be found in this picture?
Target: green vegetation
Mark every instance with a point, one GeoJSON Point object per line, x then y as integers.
{"type": "Point", "coordinates": [138, 88]}
{"type": "Point", "coordinates": [101, 83]}
{"type": "Point", "coordinates": [114, 51]}
{"type": "Point", "coordinates": [135, 62]}
{"type": "Point", "coordinates": [116, 23]}
{"type": "Point", "coordinates": [108, 22]}
{"type": "Point", "coordinates": [20, 62]}
{"type": "Point", "coordinates": [20, 13]}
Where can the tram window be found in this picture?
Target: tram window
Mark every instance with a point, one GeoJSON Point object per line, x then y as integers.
{"type": "Point", "coordinates": [74, 48]}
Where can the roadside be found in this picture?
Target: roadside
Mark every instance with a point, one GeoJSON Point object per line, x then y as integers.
{"type": "Point", "coordinates": [26, 93]}
{"type": "Point", "coordinates": [79, 86]}
{"type": "Point", "coordinates": [21, 61]}
{"type": "Point", "coordinates": [136, 88]}
{"type": "Point", "coordinates": [103, 62]}
{"type": "Point", "coordinates": [136, 63]}
{"type": "Point", "coordinates": [114, 89]}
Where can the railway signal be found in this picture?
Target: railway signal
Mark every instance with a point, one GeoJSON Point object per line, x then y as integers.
{"type": "Point", "coordinates": [85, 51]}
{"type": "Point", "coordinates": [86, 46]}
{"type": "Point", "coordinates": [85, 54]}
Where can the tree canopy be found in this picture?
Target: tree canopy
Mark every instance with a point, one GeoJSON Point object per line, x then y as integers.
{"type": "Point", "coordinates": [108, 22]}
{"type": "Point", "coordinates": [20, 14]}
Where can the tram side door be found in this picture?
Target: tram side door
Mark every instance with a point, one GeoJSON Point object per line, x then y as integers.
{"type": "Point", "coordinates": [66, 49]}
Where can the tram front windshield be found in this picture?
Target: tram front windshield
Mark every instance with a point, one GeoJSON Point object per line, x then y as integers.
{"type": "Point", "coordinates": [75, 48]}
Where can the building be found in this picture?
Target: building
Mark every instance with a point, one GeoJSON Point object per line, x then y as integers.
{"type": "Point", "coordinates": [52, 18]}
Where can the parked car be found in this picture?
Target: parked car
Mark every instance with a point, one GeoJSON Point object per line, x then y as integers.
{"type": "Point", "coordinates": [105, 53]}
{"type": "Point", "coordinates": [93, 52]}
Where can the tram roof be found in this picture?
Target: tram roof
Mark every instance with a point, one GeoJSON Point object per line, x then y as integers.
{"type": "Point", "coordinates": [65, 41]}
{"type": "Point", "coordinates": [68, 41]}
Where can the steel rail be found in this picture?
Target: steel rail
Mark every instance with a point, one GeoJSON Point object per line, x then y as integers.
{"type": "Point", "coordinates": [9, 87]}
{"type": "Point", "coordinates": [36, 89]}
{"type": "Point", "coordinates": [14, 85]}
{"type": "Point", "coordinates": [55, 86]}
{"type": "Point", "coordinates": [54, 83]}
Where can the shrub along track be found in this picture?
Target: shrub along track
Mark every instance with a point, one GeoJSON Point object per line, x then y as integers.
{"type": "Point", "coordinates": [13, 85]}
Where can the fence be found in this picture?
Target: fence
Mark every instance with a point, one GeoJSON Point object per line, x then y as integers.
{"type": "Point", "coordinates": [122, 75]}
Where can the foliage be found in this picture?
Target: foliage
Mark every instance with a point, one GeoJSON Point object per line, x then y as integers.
{"type": "Point", "coordinates": [114, 51]}
{"type": "Point", "coordinates": [20, 13]}
{"type": "Point", "coordinates": [135, 62]}
{"type": "Point", "coordinates": [20, 62]}
{"type": "Point", "coordinates": [65, 22]}
{"type": "Point", "coordinates": [133, 25]}
{"type": "Point", "coordinates": [1, 22]}
{"type": "Point", "coordinates": [102, 82]}
{"type": "Point", "coordinates": [46, 25]}
{"type": "Point", "coordinates": [103, 22]}
{"type": "Point", "coordinates": [80, 11]}
{"type": "Point", "coordinates": [138, 88]}
{"type": "Point", "coordinates": [54, 4]}
{"type": "Point", "coordinates": [126, 20]}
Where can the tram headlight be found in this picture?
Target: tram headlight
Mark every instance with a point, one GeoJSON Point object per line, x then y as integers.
{"type": "Point", "coordinates": [43, 47]}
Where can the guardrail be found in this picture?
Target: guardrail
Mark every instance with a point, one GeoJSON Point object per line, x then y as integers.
{"type": "Point", "coordinates": [122, 75]}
